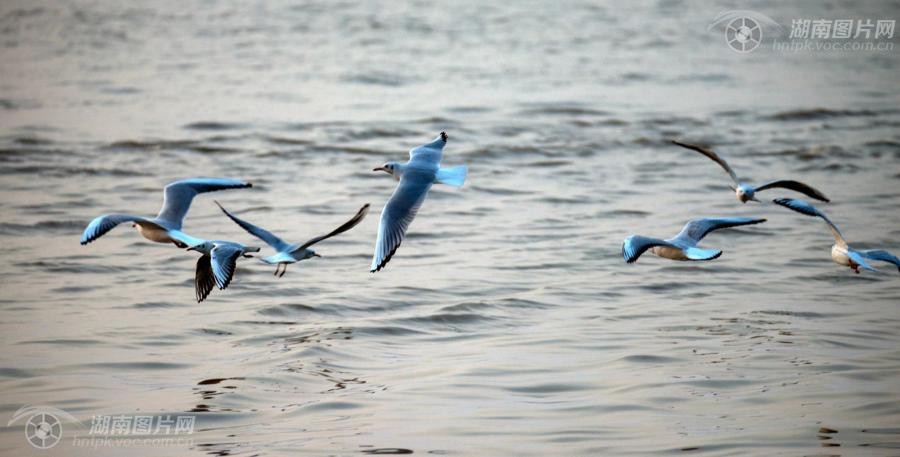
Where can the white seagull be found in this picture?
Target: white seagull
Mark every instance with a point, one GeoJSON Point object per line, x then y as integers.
{"type": "Point", "coordinates": [746, 192]}
{"type": "Point", "coordinates": [166, 226]}
{"type": "Point", "coordinates": [841, 252]}
{"type": "Point", "coordinates": [684, 245]}
{"type": "Point", "coordinates": [290, 253]}
{"type": "Point", "coordinates": [416, 176]}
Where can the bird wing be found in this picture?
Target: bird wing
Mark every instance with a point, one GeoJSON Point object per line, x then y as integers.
{"type": "Point", "coordinates": [204, 279]}
{"type": "Point", "coordinates": [277, 243]}
{"type": "Point", "coordinates": [796, 186]}
{"type": "Point", "coordinates": [883, 256]}
{"type": "Point", "coordinates": [712, 155]}
{"type": "Point", "coordinates": [806, 208]}
{"type": "Point", "coordinates": [857, 258]}
{"type": "Point", "coordinates": [701, 254]}
{"type": "Point", "coordinates": [398, 213]}
{"type": "Point", "coordinates": [635, 245]}
{"type": "Point", "coordinates": [224, 261]}
{"type": "Point", "coordinates": [178, 196]}
{"type": "Point", "coordinates": [356, 219]}
{"type": "Point", "coordinates": [429, 153]}
{"type": "Point", "coordinates": [102, 224]}
{"type": "Point", "coordinates": [696, 229]}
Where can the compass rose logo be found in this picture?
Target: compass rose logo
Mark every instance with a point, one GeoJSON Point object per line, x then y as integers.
{"type": "Point", "coordinates": [744, 29]}
{"type": "Point", "coordinates": [743, 34]}
{"type": "Point", "coordinates": [43, 429]}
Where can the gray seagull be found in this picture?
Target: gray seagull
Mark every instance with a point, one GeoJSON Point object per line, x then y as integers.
{"type": "Point", "coordinates": [745, 192]}
{"type": "Point", "coordinates": [290, 253]}
{"type": "Point", "coordinates": [841, 252]}
{"type": "Point", "coordinates": [684, 245]}
{"type": "Point", "coordinates": [416, 177]}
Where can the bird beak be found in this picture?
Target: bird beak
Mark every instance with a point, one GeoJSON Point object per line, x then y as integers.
{"type": "Point", "coordinates": [191, 249]}
{"type": "Point", "coordinates": [316, 255]}
{"type": "Point", "coordinates": [379, 169]}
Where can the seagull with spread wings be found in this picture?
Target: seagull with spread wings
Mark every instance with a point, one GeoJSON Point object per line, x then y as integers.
{"type": "Point", "coordinates": [290, 253]}
{"type": "Point", "coordinates": [166, 226]}
{"type": "Point", "coordinates": [684, 245]}
{"type": "Point", "coordinates": [841, 252]}
{"type": "Point", "coordinates": [416, 177]}
{"type": "Point", "coordinates": [746, 192]}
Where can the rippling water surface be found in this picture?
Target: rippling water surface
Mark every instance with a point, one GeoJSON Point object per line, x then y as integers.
{"type": "Point", "coordinates": [508, 323]}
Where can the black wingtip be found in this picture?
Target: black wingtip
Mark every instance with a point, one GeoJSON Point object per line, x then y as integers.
{"type": "Point", "coordinates": [444, 136]}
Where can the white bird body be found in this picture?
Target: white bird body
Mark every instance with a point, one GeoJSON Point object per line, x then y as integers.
{"type": "Point", "coordinates": [840, 255]}
{"type": "Point", "coordinates": [669, 252]}
{"type": "Point", "coordinates": [416, 177]}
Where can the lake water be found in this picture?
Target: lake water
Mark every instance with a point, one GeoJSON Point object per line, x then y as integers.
{"type": "Point", "coordinates": [507, 323]}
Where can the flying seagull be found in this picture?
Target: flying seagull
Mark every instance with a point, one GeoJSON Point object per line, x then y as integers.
{"type": "Point", "coordinates": [290, 253]}
{"type": "Point", "coordinates": [166, 226]}
{"type": "Point", "coordinates": [841, 252]}
{"type": "Point", "coordinates": [416, 176]}
{"type": "Point", "coordinates": [746, 192]}
{"type": "Point", "coordinates": [684, 245]}
{"type": "Point", "coordinates": [217, 264]}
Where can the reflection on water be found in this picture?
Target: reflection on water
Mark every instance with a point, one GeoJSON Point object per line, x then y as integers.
{"type": "Point", "coordinates": [507, 324]}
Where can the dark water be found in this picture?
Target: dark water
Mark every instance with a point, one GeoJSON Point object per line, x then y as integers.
{"type": "Point", "coordinates": [507, 324]}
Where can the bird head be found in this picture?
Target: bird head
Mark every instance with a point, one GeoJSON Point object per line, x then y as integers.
{"type": "Point", "coordinates": [205, 247]}
{"type": "Point", "coordinates": [391, 168]}
{"type": "Point", "coordinates": [745, 193]}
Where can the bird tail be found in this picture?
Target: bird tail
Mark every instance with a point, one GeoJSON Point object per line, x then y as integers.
{"type": "Point", "coordinates": [452, 176]}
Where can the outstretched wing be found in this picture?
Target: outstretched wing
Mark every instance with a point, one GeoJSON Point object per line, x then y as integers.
{"type": "Point", "coordinates": [883, 256]}
{"type": "Point", "coordinates": [224, 262]}
{"type": "Point", "coordinates": [635, 245]}
{"type": "Point", "coordinates": [204, 280]}
{"type": "Point", "coordinates": [712, 155]}
{"type": "Point", "coordinates": [277, 243]}
{"type": "Point", "coordinates": [179, 194]}
{"type": "Point", "coordinates": [429, 153]}
{"type": "Point", "coordinates": [356, 219]}
{"type": "Point", "coordinates": [102, 224]}
{"type": "Point", "coordinates": [806, 208]}
{"type": "Point", "coordinates": [398, 213]}
{"type": "Point", "coordinates": [857, 258]}
{"type": "Point", "coordinates": [796, 186]}
{"type": "Point", "coordinates": [696, 229]}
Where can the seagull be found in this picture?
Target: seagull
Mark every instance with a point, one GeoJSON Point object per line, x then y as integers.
{"type": "Point", "coordinates": [841, 252]}
{"type": "Point", "coordinates": [290, 253]}
{"type": "Point", "coordinates": [746, 192]}
{"type": "Point", "coordinates": [166, 226]}
{"type": "Point", "coordinates": [217, 264]}
{"type": "Point", "coordinates": [416, 176]}
{"type": "Point", "coordinates": [684, 245]}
